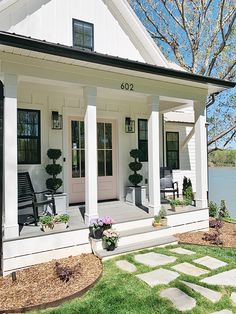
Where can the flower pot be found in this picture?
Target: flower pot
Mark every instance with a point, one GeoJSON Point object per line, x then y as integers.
{"type": "Point", "coordinates": [164, 222]}
{"type": "Point", "coordinates": [156, 224]}
{"type": "Point", "coordinates": [97, 233]}
{"type": "Point", "coordinates": [55, 227]}
{"type": "Point", "coordinates": [179, 208]}
{"type": "Point", "coordinates": [111, 247]}
{"type": "Point", "coordinates": [106, 227]}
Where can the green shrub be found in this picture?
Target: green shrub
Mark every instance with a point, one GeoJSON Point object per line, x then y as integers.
{"type": "Point", "coordinates": [54, 169]}
{"type": "Point", "coordinates": [179, 202]}
{"type": "Point", "coordinates": [135, 166]}
{"type": "Point", "coordinates": [187, 189]}
{"type": "Point", "coordinates": [213, 209]}
{"type": "Point", "coordinates": [223, 211]}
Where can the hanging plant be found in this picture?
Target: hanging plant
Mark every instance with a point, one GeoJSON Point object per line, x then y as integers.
{"type": "Point", "coordinates": [135, 166]}
{"type": "Point", "coordinates": [54, 170]}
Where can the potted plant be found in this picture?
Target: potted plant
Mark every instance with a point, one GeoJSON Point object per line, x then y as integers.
{"type": "Point", "coordinates": [54, 223]}
{"type": "Point", "coordinates": [160, 219]}
{"type": "Point", "coordinates": [136, 194]}
{"type": "Point", "coordinates": [110, 238]}
{"type": "Point", "coordinates": [180, 204]}
{"type": "Point", "coordinates": [98, 225]}
{"type": "Point", "coordinates": [55, 183]}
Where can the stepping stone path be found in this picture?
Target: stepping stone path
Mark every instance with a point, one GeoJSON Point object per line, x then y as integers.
{"type": "Point", "coordinates": [210, 262]}
{"type": "Point", "coordinates": [180, 250]}
{"type": "Point", "coordinates": [154, 259]}
{"type": "Point", "coordinates": [211, 295]}
{"type": "Point", "coordinates": [126, 266]}
{"type": "Point", "coordinates": [180, 300]}
{"type": "Point", "coordinates": [233, 298]}
{"type": "Point", "coordinates": [224, 312]}
{"type": "Point", "coordinates": [226, 278]}
{"type": "Point", "coordinates": [158, 277]}
{"type": "Point", "coordinates": [190, 269]}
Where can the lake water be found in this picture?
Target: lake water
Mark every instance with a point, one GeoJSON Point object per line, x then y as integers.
{"type": "Point", "coordinates": [222, 186]}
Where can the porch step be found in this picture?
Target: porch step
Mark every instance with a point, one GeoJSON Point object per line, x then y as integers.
{"type": "Point", "coordinates": [123, 249]}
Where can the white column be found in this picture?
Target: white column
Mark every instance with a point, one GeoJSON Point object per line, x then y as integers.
{"type": "Point", "coordinates": [11, 227]}
{"type": "Point", "coordinates": [90, 122]}
{"type": "Point", "coordinates": [154, 154]}
{"type": "Point", "coordinates": [201, 154]}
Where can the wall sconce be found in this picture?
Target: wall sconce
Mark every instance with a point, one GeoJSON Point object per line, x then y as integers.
{"type": "Point", "coordinates": [56, 120]}
{"type": "Point", "coordinates": [129, 125]}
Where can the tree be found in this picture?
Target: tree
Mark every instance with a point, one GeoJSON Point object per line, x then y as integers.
{"type": "Point", "coordinates": [199, 35]}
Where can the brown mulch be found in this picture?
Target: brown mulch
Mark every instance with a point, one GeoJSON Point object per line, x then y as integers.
{"type": "Point", "coordinates": [40, 284]}
{"type": "Point", "coordinates": [227, 235]}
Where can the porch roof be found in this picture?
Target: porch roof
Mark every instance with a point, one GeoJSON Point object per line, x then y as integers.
{"type": "Point", "coordinates": [42, 46]}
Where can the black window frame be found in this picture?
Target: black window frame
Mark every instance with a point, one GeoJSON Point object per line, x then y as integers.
{"type": "Point", "coordinates": [167, 150]}
{"type": "Point", "coordinates": [29, 162]}
{"type": "Point", "coordinates": [145, 158]}
{"type": "Point", "coordinates": [73, 32]}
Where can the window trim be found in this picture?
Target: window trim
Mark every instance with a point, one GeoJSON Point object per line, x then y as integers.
{"type": "Point", "coordinates": [73, 37]}
{"type": "Point", "coordinates": [27, 137]}
{"type": "Point", "coordinates": [178, 159]}
{"type": "Point", "coordinates": [146, 159]}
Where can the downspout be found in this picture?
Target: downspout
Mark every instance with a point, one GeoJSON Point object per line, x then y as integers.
{"type": "Point", "coordinates": [1, 167]}
{"type": "Point", "coordinates": [163, 140]}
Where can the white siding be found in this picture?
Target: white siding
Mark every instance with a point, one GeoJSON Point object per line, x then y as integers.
{"type": "Point", "coordinates": [51, 20]}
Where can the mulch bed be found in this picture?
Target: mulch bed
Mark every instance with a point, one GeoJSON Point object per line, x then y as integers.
{"type": "Point", "coordinates": [227, 235]}
{"type": "Point", "coordinates": [40, 287]}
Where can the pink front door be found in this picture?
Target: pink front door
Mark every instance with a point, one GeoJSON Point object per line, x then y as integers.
{"type": "Point", "coordinates": [106, 154]}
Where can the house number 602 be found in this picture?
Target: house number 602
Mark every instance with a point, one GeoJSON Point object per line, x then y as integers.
{"type": "Point", "coordinates": [127, 86]}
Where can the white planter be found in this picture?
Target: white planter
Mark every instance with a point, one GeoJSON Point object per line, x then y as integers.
{"type": "Point", "coordinates": [179, 208]}
{"type": "Point", "coordinates": [136, 195]}
{"type": "Point", "coordinates": [60, 202]}
{"type": "Point", "coordinates": [56, 227]}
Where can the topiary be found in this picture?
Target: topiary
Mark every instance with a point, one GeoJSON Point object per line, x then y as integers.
{"type": "Point", "coordinates": [213, 209]}
{"type": "Point", "coordinates": [187, 189]}
{"type": "Point", "coordinates": [54, 169]}
{"type": "Point", "coordinates": [135, 166]}
{"type": "Point", "coordinates": [223, 211]}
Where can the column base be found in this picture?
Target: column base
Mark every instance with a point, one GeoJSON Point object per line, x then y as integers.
{"type": "Point", "coordinates": [88, 217]}
{"type": "Point", "coordinates": [11, 231]}
{"type": "Point", "coordinates": [201, 203]}
{"type": "Point", "coordinates": [156, 208]}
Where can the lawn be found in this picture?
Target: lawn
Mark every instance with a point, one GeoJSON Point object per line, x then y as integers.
{"type": "Point", "coordinates": [122, 293]}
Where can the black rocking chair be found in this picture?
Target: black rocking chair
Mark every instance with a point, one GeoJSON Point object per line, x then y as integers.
{"type": "Point", "coordinates": [27, 197]}
{"type": "Point", "coordinates": [166, 182]}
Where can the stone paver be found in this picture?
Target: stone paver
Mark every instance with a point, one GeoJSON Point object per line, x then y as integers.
{"type": "Point", "coordinates": [126, 266]}
{"type": "Point", "coordinates": [226, 278]}
{"type": "Point", "coordinates": [211, 295]}
{"type": "Point", "coordinates": [180, 250]}
{"type": "Point", "coordinates": [210, 262]}
{"type": "Point", "coordinates": [233, 298]}
{"type": "Point", "coordinates": [180, 300]}
{"type": "Point", "coordinates": [154, 259]}
{"type": "Point", "coordinates": [190, 269]}
{"type": "Point", "coordinates": [158, 277]}
{"type": "Point", "coordinates": [224, 312]}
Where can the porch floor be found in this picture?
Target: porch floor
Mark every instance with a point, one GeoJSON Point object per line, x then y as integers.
{"type": "Point", "coordinates": [118, 210]}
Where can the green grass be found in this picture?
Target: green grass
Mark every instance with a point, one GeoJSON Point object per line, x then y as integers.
{"type": "Point", "coordinates": [119, 292]}
{"type": "Point", "coordinates": [232, 220]}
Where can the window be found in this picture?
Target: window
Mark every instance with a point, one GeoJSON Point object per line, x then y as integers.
{"type": "Point", "coordinates": [78, 154]}
{"type": "Point", "coordinates": [172, 150]}
{"type": "Point", "coordinates": [28, 136]}
{"type": "Point", "coordinates": [82, 34]}
{"type": "Point", "coordinates": [104, 143]}
{"type": "Point", "coordinates": [143, 138]}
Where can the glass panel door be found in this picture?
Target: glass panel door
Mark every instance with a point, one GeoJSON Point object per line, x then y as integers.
{"type": "Point", "coordinates": [104, 142]}
{"type": "Point", "coordinates": [77, 146]}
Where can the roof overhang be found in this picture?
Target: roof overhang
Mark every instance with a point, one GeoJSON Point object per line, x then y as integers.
{"type": "Point", "coordinates": [27, 43]}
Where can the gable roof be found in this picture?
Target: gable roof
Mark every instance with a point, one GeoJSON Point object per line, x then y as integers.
{"type": "Point", "coordinates": [22, 42]}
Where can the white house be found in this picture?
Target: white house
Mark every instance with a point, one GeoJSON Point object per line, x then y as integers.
{"type": "Point", "coordinates": [93, 65]}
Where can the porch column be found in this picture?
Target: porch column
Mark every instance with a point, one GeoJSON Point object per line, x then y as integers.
{"type": "Point", "coordinates": [90, 122]}
{"type": "Point", "coordinates": [11, 227]}
{"type": "Point", "coordinates": [201, 154]}
{"type": "Point", "coordinates": [154, 154]}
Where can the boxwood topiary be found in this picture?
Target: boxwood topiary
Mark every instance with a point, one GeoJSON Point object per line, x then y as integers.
{"type": "Point", "coordinates": [54, 169]}
{"type": "Point", "coordinates": [135, 166]}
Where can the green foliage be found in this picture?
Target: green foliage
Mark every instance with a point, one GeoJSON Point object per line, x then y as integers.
{"type": "Point", "coordinates": [187, 189]}
{"type": "Point", "coordinates": [61, 218]}
{"type": "Point", "coordinates": [49, 220]}
{"type": "Point", "coordinates": [224, 158]}
{"type": "Point", "coordinates": [54, 153]}
{"type": "Point", "coordinates": [135, 166]}
{"type": "Point", "coordinates": [213, 209]}
{"type": "Point", "coordinates": [161, 215]}
{"type": "Point", "coordinates": [179, 202]}
{"type": "Point", "coordinates": [54, 169]}
{"type": "Point", "coordinates": [46, 220]}
{"type": "Point", "coordinates": [223, 211]}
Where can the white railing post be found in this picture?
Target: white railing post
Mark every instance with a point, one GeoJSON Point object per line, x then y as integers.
{"type": "Point", "coordinates": [10, 195]}
{"type": "Point", "coordinates": [201, 154]}
{"type": "Point", "coordinates": [90, 122]}
{"type": "Point", "coordinates": [154, 154]}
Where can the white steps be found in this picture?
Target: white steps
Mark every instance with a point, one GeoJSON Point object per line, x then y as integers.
{"type": "Point", "coordinates": [135, 239]}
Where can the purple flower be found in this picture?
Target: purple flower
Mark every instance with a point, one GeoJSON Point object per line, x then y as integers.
{"type": "Point", "coordinates": [108, 220]}
{"type": "Point", "coordinates": [93, 222]}
{"type": "Point", "coordinates": [100, 222]}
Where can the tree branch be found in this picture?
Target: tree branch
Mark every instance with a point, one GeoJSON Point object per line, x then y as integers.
{"type": "Point", "coordinates": [222, 134]}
